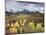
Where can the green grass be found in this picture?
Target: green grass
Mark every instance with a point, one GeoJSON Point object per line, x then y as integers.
{"type": "Point", "coordinates": [29, 23]}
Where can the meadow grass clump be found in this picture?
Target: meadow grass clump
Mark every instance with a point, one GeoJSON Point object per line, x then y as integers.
{"type": "Point", "coordinates": [39, 27]}
{"type": "Point", "coordinates": [31, 26]}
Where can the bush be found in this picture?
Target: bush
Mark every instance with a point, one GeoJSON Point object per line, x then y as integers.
{"type": "Point", "coordinates": [39, 28]}
{"type": "Point", "coordinates": [31, 26]}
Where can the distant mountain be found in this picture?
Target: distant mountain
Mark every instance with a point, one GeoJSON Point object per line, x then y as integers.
{"type": "Point", "coordinates": [24, 12]}
{"type": "Point", "coordinates": [7, 12]}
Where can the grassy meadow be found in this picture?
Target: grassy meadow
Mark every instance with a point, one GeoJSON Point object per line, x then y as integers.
{"type": "Point", "coordinates": [24, 22]}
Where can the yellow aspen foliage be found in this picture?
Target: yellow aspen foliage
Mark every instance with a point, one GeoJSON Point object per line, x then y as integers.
{"type": "Point", "coordinates": [16, 24]}
{"type": "Point", "coordinates": [20, 21]}
{"type": "Point", "coordinates": [8, 24]}
{"type": "Point", "coordinates": [12, 25]}
{"type": "Point", "coordinates": [14, 29]}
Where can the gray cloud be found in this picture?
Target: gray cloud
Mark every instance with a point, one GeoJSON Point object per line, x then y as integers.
{"type": "Point", "coordinates": [19, 5]}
